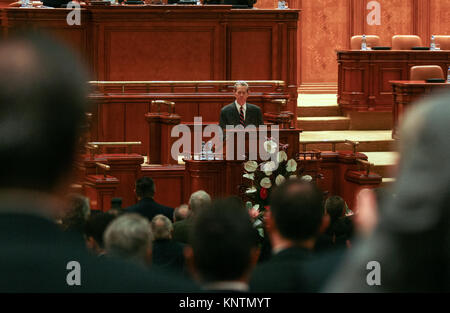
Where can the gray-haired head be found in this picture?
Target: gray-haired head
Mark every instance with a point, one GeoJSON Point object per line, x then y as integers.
{"type": "Point", "coordinates": [199, 200]}
{"type": "Point", "coordinates": [161, 227]}
{"type": "Point", "coordinates": [240, 83]}
{"type": "Point", "coordinates": [129, 237]}
{"type": "Point", "coordinates": [181, 213]}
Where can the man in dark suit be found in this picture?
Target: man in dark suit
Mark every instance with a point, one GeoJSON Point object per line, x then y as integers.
{"type": "Point", "coordinates": [43, 104]}
{"type": "Point", "coordinates": [240, 112]}
{"type": "Point", "coordinates": [146, 206]}
{"type": "Point", "coordinates": [293, 222]}
{"type": "Point", "coordinates": [198, 201]}
{"type": "Point", "coordinates": [167, 253]}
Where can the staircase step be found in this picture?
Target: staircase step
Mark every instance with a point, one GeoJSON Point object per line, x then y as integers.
{"type": "Point", "coordinates": [318, 110]}
{"type": "Point", "coordinates": [369, 140]}
{"type": "Point", "coordinates": [323, 123]}
{"type": "Point", "coordinates": [387, 182]}
{"type": "Point", "coordinates": [316, 100]}
{"type": "Point", "coordinates": [318, 88]}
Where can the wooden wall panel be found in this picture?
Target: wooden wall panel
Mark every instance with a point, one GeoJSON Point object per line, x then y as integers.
{"type": "Point", "coordinates": [397, 18]}
{"type": "Point", "coordinates": [440, 15]}
{"type": "Point", "coordinates": [169, 183]}
{"type": "Point", "coordinates": [328, 25]}
{"type": "Point", "coordinates": [324, 29]}
{"type": "Point", "coordinates": [137, 131]}
{"type": "Point", "coordinates": [174, 49]}
{"type": "Point", "coordinates": [249, 45]}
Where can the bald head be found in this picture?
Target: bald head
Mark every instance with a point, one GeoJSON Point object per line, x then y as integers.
{"type": "Point", "coordinates": [181, 213]}
{"type": "Point", "coordinates": [43, 100]}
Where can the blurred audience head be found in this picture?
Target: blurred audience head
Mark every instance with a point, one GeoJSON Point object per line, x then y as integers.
{"type": "Point", "coordinates": [181, 213]}
{"type": "Point", "coordinates": [43, 105]}
{"type": "Point", "coordinates": [95, 229]}
{"type": "Point", "coordinates": [145, 188]}
{"type": "Point", "coordinates": [129, 237]}
{"type": "Point", "coordinates": [223, 243]}
{"type": "Point", "coordinates": [198, 201]}
{"type": "Point", "coordinates": [78, 213]}
{"type": "Point", "coordinates": [116, 207]}
{"type": "Point", "coordinates": [116, 203]}
{"type": "Point", "coordinates": [296, 214]}
{"type": "Point", "coordinates": [161, 227]}
{"type": "Point", "coordinates": [335, 207]}
{"type": "Point", "coordinates": [410, 236]}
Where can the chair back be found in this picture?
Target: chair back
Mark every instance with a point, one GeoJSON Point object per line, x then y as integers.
{"type": "Point", "coordinates": [424, 72]}
{"type": "Point", "coordinates": [444, 41]}
{"type": "Point", "coordinates": [405, 42]}
{"type": "Point", "coordinates": [372, 40]}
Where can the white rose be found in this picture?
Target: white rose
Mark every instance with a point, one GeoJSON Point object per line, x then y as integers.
{"type": "Point", "coordinates": [293, 177]}
{"type": "Point", "coordinates": [306, 178]}
{"type": "Point", "coordinates": [251, 190]}
{"type": "Point", "coordinates": [266, 183]}
{"type": "Point", "coordinates": [281, 156]}
{"type": "Point", "coordinates": [250, 166]}
{"type": "Point", "coordinates": [270, 146]}
{"type": "Point", "coordinates": [279, 180]}
{"type": "Point", "coordinates": [250, 176]}
{"type": "Point", "coordinates": [269, 166]}
{"type": "Point", "coordinates": [291, 165]}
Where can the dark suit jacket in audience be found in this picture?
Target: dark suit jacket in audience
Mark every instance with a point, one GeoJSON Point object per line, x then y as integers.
{"type": "Point", "coordinates": [168, 254]}
{"type": "Point", "coordinates": [35, 255]}
{"type": "Point", "coordinates": [283, 272]}
{"type": "Point", "coordinates": [149, 208]}
{"type": "Point", "coordinates": [295, 270]}
{"type": "Point", "coordinates": [181, 230]}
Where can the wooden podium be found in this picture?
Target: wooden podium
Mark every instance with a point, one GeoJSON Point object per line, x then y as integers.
{"type": "Point", "coordinates": [223, 177]}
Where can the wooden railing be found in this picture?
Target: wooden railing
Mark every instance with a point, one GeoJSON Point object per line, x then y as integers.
{"type": "Point", "coordinates": [95, 146]}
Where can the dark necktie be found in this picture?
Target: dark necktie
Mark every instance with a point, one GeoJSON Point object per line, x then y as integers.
{"type": "Point", "coordinates": [241, 116]}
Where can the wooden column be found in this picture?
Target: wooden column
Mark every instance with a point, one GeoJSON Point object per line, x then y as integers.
{"type": "Point", "coordinates": [206, 175]}
{"type": "Point", "coordinates": [125, 167]}
{"type": "Point", "coordinates": [100, 190]}
{"type": "Point", "coordinates": [160, 128]}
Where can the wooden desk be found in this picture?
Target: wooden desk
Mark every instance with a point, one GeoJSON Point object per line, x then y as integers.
{"type": "Point", "coordinates": [364, 76]}
{"type": "Point", "coordinates": [406, 92]}
{"type": "Point", "coordinates": [174, 42]}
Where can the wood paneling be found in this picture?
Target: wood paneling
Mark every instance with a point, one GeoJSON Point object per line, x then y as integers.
{"type": "Point", "coordinates": [397, 18]}
{"type": "Point", "coordinates": [440, 17]}
{"type": "Point", "coordinates": [249, 59]}
{"type": "Point", "coordinates": [324, 29]}
{"type": "Point", "coordinates": [130, 52]}
{"type": "Point", "coordinates": [407, 92]}
{"type": "Point", "coordinates": [169, 183]}
{"type": "Point", "coordinates": [161, 43]}
{"type": "Point", "coordinates": [328, 25]}
{"type": "Point", "coordinates": [364, 76]}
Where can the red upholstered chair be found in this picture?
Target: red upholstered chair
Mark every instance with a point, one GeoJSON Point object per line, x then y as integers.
{"type": "Point", "coordinates": [372, 40]}
{"type": "Point", "coordinates": [444, 41]}
{"type": "Point", "coordinates": [405, 42]}
{"type": "Point", "coordinates": [425, 72]}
